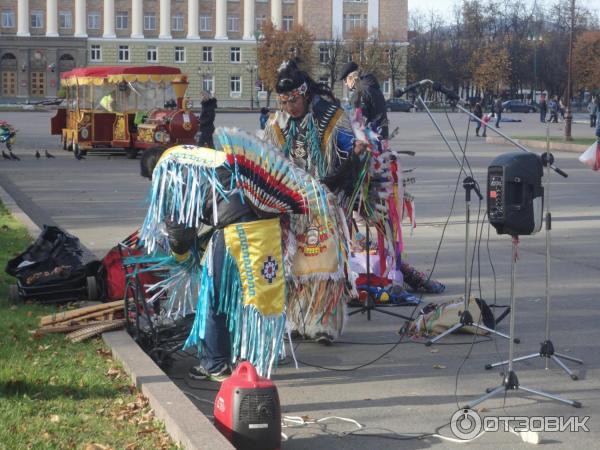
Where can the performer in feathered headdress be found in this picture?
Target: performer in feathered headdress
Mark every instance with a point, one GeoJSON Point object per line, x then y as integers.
{"type": "Point", "coordinates": [241, 192]}
{"type": "Point", "coordinates": [315, 133]}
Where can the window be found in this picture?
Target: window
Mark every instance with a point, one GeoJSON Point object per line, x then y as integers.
{"type": "Point", "coordinates": [65, 20]}
{"type": "Point", "coordinates": [151, 54]}
{"type": "Point", "coordinates": [288, 23]}
{"type": "Point", "coordinates": [235, 85]}
{"type": "Point", "coordinates": [235, 55]}
{"type": "Point", "coordinates": [323, 55]}
{"type": "Point", "coordinates": [233, 23]}
{"type": "Point", "coordinates": [324, 79]}
{"type": "Point", "coordinates": [177, 22]}
{"type": "Point", "coordinates": [260, 21]}
{"type": "Point", "coordinates": [207, 54]}
{"type": "Point", "coordinates": [93, 21]}
{"type": "Point", "coordinates": [208, 83]}
{"type": "Point", "coordinates": [122, 20]}
{"type": "Point", "coordinates": [205, 22]}
{"type": "Point", "coordinates": [180, 54]}
{"type": "Point", "coordinates": [8, 19]}
{"type": "Point", "coordinates": [352, 21]}
{"type": "Point", "coordinates": [37, 19]}
{"type": "Point", "coordinates": [123, 53]}
{"type": "Point", "coordinates": [95, 53]}
{"type": "Point", "coordinates": [149, 22]}
{"type": "Point", "coordinates": [386, 87]}
{"type": "Point", "coordinates": [288, 1]}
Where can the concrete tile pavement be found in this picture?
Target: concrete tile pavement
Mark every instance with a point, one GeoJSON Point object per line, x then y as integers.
{"type": "Point", "coordinates": [411, 389]}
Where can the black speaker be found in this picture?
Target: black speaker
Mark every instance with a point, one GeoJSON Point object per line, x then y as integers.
{"type": "Point", "coordinates": [515, 196]}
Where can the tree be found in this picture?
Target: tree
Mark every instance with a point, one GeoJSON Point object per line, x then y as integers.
{"type": "Point", "coordinates": [395, 63]}
{"type": "Point", "coordinates": [334, 58]}
{"type": "Point", "coordinates": [366, 50]}
{"type": "Point", "coordinates": [277, 46]}
{"type": "Point", "coordinates": [586, 61]}
{"type": "Point", "coordinates": [491, 67]}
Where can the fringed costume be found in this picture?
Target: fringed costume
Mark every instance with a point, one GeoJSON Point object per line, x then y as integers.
{"type": "Point", "coordinates": [321, 143]}
{"type": "Point", "coordinates": [244, 192]}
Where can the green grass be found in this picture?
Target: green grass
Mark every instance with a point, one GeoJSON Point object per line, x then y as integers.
{"type": "Point", "coordinates": [579, 141]}
{"type": "Point", "coordinates": [58, 395]}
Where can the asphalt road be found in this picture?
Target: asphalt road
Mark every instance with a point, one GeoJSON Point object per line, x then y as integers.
{"type": "Point", "coordinates": [411, 389]}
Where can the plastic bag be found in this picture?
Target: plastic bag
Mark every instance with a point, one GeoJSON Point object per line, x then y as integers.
{"type": "Point", "coordinates": [591, 156]}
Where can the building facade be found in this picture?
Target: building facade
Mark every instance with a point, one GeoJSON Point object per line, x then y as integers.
{"type": "Point", "coordinates": [213, 41]}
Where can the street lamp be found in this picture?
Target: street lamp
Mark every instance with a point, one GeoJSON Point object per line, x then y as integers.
{"type": "Point", "coordinates": [251, 67]}
{"type": "Point", "coordinates": [535, 39]}
{"type": "Point", "coordinates": [568, 112]}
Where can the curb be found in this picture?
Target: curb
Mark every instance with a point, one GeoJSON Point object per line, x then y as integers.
{"type": "Point", "coordinates": [33, 230]}
{"type": "Point", "coordinates": [541, 145]}
{"type": "Point", "coordinates": [183, 421]}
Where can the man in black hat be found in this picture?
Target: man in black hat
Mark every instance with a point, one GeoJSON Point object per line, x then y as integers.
{"type": "Point", "coordinates": [367, 96]}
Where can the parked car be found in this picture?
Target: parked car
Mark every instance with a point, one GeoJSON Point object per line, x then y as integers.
{"type": "Point", "coordinates": [397, 104]}
{"type": "Point", "coordinates": [518, 106]}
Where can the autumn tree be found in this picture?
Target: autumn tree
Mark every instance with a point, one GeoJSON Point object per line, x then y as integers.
{"type": "Point", "coordinates": [586, 61]}
{"type": "Point", "coordinates": [491, 66]}
{"type": "Point", "coordinates": [366, 50]}
{"type": "Point", "coordinates": [277, 46]}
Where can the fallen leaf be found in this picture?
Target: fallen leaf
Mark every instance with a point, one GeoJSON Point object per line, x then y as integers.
{"type": "Point", "coordinates": [94, 446]}
{"type": "Point", "coordinates": [439, 366]}
{"type": "Point", "coordinates": [483, 409]}
{"type": "Point", "coordinates": [54, 418]}
{"type": "Point", "coordinates": [113, 372]}
{"type": "Point", "coordinates": [29, 313]}
{"type": "Point", "coordinates": [14, 307]}
{"type": "Point", "coordinates": [434, 350]}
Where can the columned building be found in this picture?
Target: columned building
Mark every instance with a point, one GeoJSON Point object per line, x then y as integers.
{"type": "Point", "coordinates": [213, 41]}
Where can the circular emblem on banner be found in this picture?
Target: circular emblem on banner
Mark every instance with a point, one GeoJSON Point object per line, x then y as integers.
{"type": "Point", "coordinates": [269, 271]}
{"type": "Point", "coordinates": [84, 133]}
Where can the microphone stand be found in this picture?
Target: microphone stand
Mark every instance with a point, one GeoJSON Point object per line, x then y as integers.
{"type": "Point", "coordinates": [466, 318]}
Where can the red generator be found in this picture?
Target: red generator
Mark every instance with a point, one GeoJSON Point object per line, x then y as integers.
{"type": "Point", "coordinates": [247, 410]}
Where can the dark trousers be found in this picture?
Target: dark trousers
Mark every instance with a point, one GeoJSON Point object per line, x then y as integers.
{"type": "Point", "coordinates": [593, 119]}
{"type": "Point", "coordinates": [206, 139]}
{"type": "Point", "coordinates": [498, 117]}
{"type": "Point", "coordinates": [216, 345]}
{"type": "Point", "coordinates": [478, 127]}
{"type": "Point", "coordinates": [542, 115]}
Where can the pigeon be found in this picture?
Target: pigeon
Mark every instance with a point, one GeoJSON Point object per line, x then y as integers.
{"type": "Point", "coordinates": [13, 156]}
{"type": "Point", "coordinates": [37, 154]}
{"type": "Point", "coordinates": [48, 155]}
{"type": "Point", "coordinates": [5, 156]}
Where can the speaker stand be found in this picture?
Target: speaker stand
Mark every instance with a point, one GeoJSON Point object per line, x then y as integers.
{"type": "Point", "coordinates": [510, 381]}
{"type": "Point", "coordinates": [547, 347]}
{"type": "Point", "coordinates": [466, 319]}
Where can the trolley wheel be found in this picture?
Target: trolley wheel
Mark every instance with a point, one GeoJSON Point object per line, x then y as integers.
{"type": "Point", "coordinates": [131, 153]}
{"type": "Point", "coordinates": [92, 288]}
{"type": "Point", "coordinates": [13, 294]}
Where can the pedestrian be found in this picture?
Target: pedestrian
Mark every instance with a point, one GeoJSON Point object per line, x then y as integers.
{"type": "Point", "coordinates": [478, 112]}
{"type": "Point", "coordinates": [593, 110]}
{"type": "Point", "coordinates": [553, 106]}
{"type": "Point", "coordinates": [207, 120]}
{"type": "Point", "coordinates": [543, 108]}
{"type": "Point", "coordinates": [367, 95]}
{"type": "Point", "coordinates": [498, 110]}
{"type": "Point", "coordinates": [264, 117]}
{"type": "Point", "coordinates": [486, 119]}
{"type": "Point", "coordinates": [561, 108]}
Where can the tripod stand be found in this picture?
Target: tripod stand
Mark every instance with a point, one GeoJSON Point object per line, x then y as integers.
{"type": "Point", "coordinates": [547, 347]}
{"type": "Point", "coordinates": [370, 304]}
{"type": "Point", "coordinates": [466, 318]}
{"type": "Point", "coordinates": [510, 380]}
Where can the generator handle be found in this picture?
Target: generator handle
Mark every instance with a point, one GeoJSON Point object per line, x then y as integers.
{"type": "Point", "coordinates": [247, 370]}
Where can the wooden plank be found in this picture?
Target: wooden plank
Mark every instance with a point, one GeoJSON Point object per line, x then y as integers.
{"type": "Point", "coordinates": [92, 330]}
{"type": "Point", "coordinates": [67, 315]}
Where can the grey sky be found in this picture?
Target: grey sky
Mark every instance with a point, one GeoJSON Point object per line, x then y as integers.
{"type": "Point", "coordinates": [444, 7]}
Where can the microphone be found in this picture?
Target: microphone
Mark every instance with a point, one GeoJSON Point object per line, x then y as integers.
{"type": "Point", "coordinates": [410, 87]}
{"type": "Point", "coordinates": [450, 95]}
